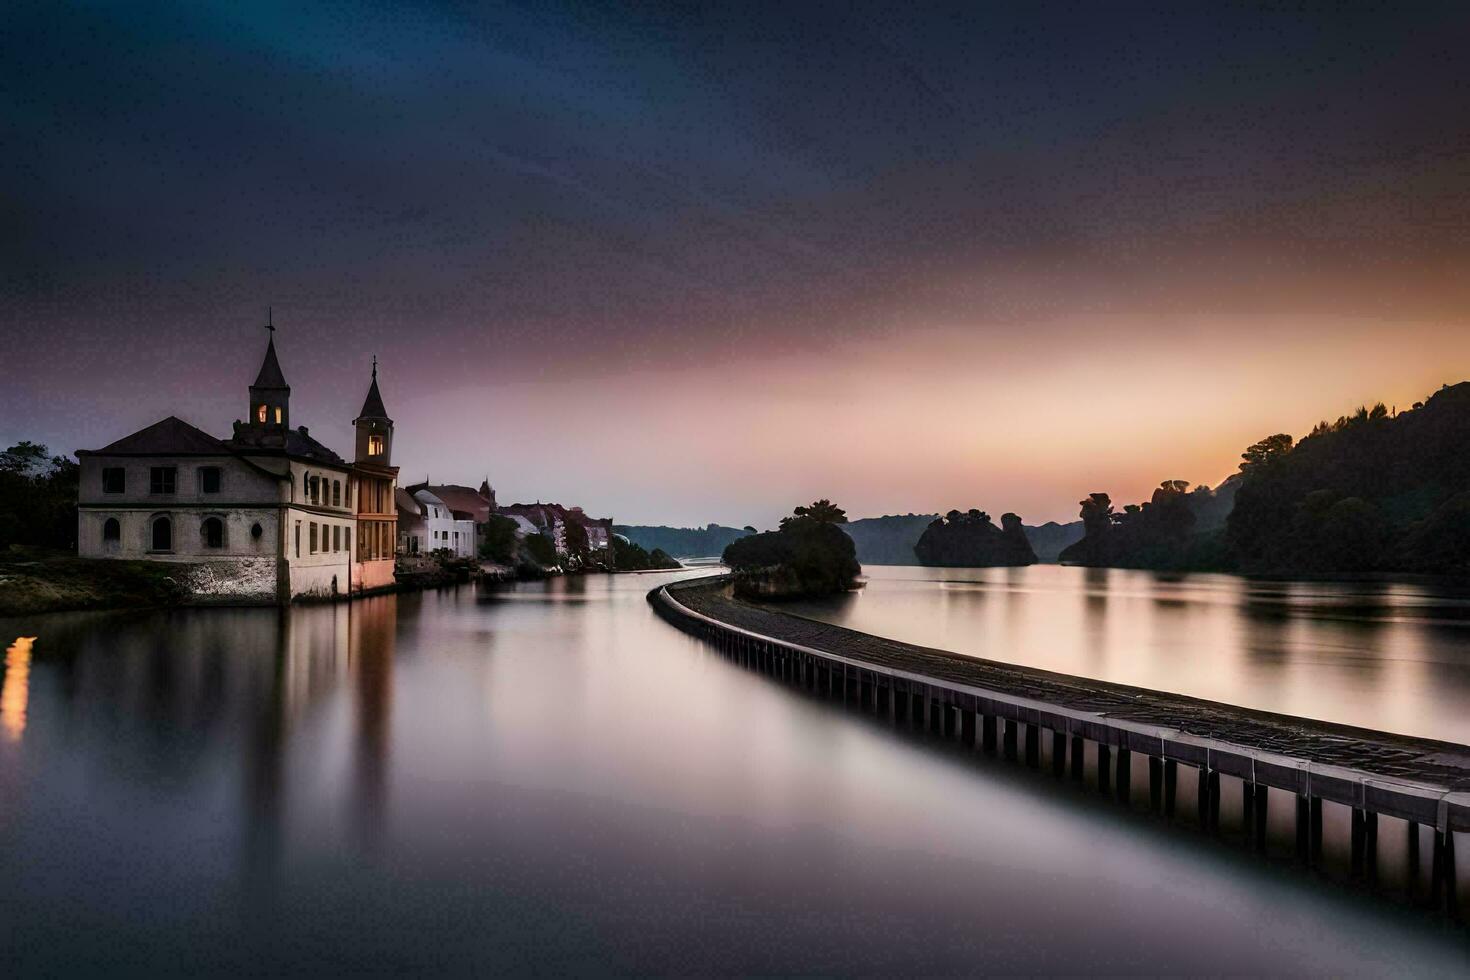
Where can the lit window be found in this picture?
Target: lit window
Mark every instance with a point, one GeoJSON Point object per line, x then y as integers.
{"type": "Point", "coordinates": [375, 445]}
{"type": "Point", "coordinates": [278, 417]}
{"type": "Point", "coordinates": [260, 415]}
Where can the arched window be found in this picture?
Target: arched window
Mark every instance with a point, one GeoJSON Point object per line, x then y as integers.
{"type": "Point", "coordinates": [111, 533]}
{"type": "Point", "coordinates": [256, 531]}
{"type": "Point", "coordinates": [212, 532]}
{"type": "Point", "coordinates": [163, 534]}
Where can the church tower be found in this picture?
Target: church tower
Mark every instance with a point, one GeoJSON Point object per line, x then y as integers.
{"type": "Point", "coordinates": [269, 415]}
{"type": "Point", "coordinates": [374, 427]}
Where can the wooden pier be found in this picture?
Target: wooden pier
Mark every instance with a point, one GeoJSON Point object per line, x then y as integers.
{"type": "Point", "coordinates": [1423, 782]}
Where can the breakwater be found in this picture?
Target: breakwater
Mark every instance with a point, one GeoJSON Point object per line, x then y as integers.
{"type": "Point", "coordinates": [1385, 782]}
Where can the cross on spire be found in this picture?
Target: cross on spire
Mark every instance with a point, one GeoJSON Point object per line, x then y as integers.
{"type": "Point", "coordinates": [375, 367]}
{"type": "Point", "coordinates": [270, 321]}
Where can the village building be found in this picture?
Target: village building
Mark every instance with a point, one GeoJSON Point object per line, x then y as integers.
{"type": "Point", "coordinates": [266, 515]}
{"type": "Point", "coordinates": [412, 532]}
{"type": "Point", "coordinates": [551, 520]}
{"type": "Point", "coordinates": [375, 479]}
{"type": "Point", "coordinates": [444, 528]}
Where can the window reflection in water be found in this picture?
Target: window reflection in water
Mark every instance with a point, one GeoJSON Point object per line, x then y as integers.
{"type": "Point", "coordinates": [16, 692]}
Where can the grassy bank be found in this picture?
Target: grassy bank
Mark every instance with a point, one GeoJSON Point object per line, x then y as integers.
{"type": "Point", "coordinates": [34, 581]}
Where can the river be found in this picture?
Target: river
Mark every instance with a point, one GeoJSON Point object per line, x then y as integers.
{"type": "Point", "coordinates": [1386, 654]}
{"type": "Point", "coordinates": [545, 777]}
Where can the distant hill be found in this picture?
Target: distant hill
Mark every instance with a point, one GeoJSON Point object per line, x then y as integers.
{"type": "Point", "coordinates": [1049, 539]}
{"type": "Point", "coordinates": [969, 539]}
{"type": "Point", "coordinates": [1375, 491]}
{"type": "Point", "coordinates": [682, 542]}
{"type": "Point", "coordinates": [1175, 529]}
{"type": "Point", "coordinates": [888, 540]}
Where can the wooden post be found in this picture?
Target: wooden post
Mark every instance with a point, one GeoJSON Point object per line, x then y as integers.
{"type": "Point", "coordinates": [1357, 841]}
{"type": "Point", "coordinates": [1316, 853]}
{"type": "Point", "coordinates": [1171, 780]}
{"type": "Point", "coordinates": [1079, 759]}
{"type": "Point", "coordinates": [1262, 794]}
{"type": "Point", "coordinates": [1413, 859]}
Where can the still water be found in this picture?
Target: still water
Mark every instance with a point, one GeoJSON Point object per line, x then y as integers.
{"type": "Point", "coordinates": [546, 777]}
{"type": "Point", "coordinates": [1388, 655]}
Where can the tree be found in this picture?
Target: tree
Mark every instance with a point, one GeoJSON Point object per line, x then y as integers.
{"type": "Point", "coordinates": [822, 511]}
{"type": "Point", "coordinates": [574, 536]}
{"type": "Point", "coordinates": [1267, 450]}
{"type": "Point", "coordinates": [499, 542]}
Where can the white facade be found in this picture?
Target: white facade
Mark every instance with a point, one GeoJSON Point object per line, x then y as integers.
{"type": "Point", "coordinates": [441, 529]}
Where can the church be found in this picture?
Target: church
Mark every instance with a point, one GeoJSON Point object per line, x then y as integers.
{"type": "Point", "coordinates": [267, 515]}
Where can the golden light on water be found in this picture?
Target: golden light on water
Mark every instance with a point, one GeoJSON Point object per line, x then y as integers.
{"type": "Point", "coordinates": [16, 692]}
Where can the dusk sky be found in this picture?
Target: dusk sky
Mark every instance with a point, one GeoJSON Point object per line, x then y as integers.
{"type": "Point", "coordinates": [681, 265]}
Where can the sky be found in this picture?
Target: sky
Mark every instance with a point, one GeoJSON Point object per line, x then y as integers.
{"type": "Point", "coordinates": [684, 263]}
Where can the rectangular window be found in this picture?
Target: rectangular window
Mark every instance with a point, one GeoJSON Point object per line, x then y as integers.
{"type": "Point", "coordinates": [336, 538]}
{"type": "Point", "coordinates": [375, 445]}
{"type": "Point", "coordinates": [114, 479]}
{"type": "Point", "coordinates": [298, 539]}
{"type": "Point", "coordinates": [312, 537]}
{"type": "Point", "coordinates": [278, 416]}
{"type": "Point", "coordinates": [162, 479]}
{"type": "Point", "coordinates": [209, 479]}
{"type": "Point", "coordinates": [336, 493]}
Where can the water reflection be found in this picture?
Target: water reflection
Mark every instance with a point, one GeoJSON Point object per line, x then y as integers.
{"type": "Point", "coordinates": [546, 777]}
{"type": "Point", "coordinates": [1386, 654]}
{"type": "Point", "coordinates": [16, 692]}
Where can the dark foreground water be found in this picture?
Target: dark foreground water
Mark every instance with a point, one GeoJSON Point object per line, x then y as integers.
{"type": "Point", "coordinates": [1391, 655]}
{"type": "Point", "coordinates": [550, 779]}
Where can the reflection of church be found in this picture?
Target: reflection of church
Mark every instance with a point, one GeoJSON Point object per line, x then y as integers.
{"type": "Point", "coordinates": [269, 514]}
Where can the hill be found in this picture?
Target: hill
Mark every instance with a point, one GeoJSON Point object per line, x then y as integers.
{"type": "Point", "coordinates": [683, 542]}
{"type": "Point", "coordinates": [1376, 491]}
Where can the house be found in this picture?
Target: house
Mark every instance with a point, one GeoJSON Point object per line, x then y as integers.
{"type": "Point", "coordinates": [552, 519]}
{"type": "Point", "coordinates": [266, 515]}
{"type": "Point", "coordinates": [412, 532]}
{"type": "Point", "coordinates": [443, 527]}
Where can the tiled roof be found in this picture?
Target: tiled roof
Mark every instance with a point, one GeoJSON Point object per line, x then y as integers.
{"type": "Point", "coordinates": [170, 437]}
{"type": "Point", "coordinates": [463, 499]}
{"type": "Point", "coordinates": [298, 443]}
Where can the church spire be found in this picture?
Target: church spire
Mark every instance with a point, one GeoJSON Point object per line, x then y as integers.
{"type": "Point", "coordinates": [270, 375]}
{"type": "Point", "coordinates": [374, 427]}
{"type": "Point", "coordinates": [270, 397]}
{"type": "Point", "coordinates": [372, 406]}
